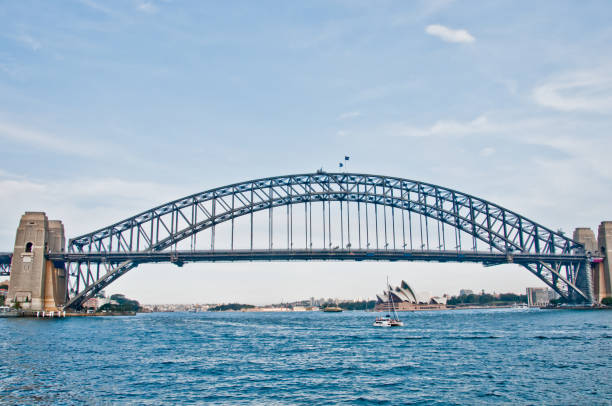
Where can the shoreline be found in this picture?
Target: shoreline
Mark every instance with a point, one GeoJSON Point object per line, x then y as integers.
{"type": "Point", "coordinates": [61, 315]}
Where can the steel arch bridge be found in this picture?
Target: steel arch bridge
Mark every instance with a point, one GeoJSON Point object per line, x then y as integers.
{"type": "Point", "coordinates": [326, 216]}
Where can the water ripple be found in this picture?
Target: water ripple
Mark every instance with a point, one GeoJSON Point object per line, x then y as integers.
{"type": "Point", "coordinates": [451, 357]}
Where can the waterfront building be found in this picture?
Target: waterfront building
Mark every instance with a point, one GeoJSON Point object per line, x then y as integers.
{"type": "Point", "coordinates": [537, 297]}
{"type": "Point", "coordinates": [97, 302]}
{"type": "Point", "coordinates": [403, 298]}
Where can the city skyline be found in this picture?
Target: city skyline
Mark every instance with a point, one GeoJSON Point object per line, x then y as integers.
{"type": "Point", "coordinates": [137, 103]}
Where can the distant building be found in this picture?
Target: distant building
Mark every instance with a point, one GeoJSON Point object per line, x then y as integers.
{"type": "Point", "coordinates": [403, 298]}
{"type": "Point", "coordinates": [538, 296]}
{"type": "Point", "coordinates": [465, 292]}
{"type": "Point", "coordinates": [91, 303]}
{"type": "Point", "coordinates": [95, 303]}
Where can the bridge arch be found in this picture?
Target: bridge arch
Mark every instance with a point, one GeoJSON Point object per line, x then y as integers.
{"type": "Point", "coordinates": [98, 258]}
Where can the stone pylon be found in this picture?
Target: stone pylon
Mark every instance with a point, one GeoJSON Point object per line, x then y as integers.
{"type": "Point", "coordinates": [36, 282]}
{"type": "Point", "coordinates": [604, 239]}
{"type": "Point", "coordinates": [601, 272]}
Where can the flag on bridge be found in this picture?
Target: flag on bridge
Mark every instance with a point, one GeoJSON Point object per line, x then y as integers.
{"type": "Point", "coordinates": [340, 164]}
{"type": "Point", "coordinates": [346, 158]}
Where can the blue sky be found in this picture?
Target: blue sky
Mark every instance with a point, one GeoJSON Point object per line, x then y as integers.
{"type": "Point", "coordinates": [110, 107]}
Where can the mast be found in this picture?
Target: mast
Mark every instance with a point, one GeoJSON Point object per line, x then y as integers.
{"type": "Point", "coordinates": [391, 300]}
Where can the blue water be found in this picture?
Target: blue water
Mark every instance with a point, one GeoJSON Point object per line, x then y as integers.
{"type": "Point", "coordinates": [444, 357]}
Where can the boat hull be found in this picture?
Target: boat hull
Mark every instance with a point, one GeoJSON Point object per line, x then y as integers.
{"type": "Point", "coordinates": [9, 314]}
{"type": "Point", "coordinates": [384, 322]}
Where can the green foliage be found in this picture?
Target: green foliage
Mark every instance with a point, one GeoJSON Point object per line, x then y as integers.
{"type": "Point", "coordinates": [17, 305]}
{"type": "Point", "coordinates": [361, 305]}
{"type": "Point", "coordinates": [486, 298]}
{"type": "Point", "coordinates": [607, 301]}
{"type": "Point", "coordinates": [2, 300]}
{"type": "Point", "coordinates": [230, 306]}
{"type": "Point", "coordinates": [512, 297]}
{"type": "Point", "coordinates": [123, 304]}
{"type": "Point", "coordinates": [558, 301]}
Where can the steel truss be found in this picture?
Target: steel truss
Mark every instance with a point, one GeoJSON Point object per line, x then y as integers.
{"type": "Point", "coordinates": [96, 259]}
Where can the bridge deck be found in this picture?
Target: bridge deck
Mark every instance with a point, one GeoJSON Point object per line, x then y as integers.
{"type": "Point", "coordinates": [179, 257]}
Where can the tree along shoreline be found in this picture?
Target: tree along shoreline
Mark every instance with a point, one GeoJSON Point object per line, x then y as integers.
{"type": "Point", "coordinates": [486, 299]}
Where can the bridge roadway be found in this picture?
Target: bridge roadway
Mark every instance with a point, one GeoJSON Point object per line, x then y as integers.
{"type": "Point", "coordinates": [180, 257]}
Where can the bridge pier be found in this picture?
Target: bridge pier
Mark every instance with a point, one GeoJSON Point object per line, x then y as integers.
{"type": "Point", "coordinates": [601, 270]}
{"type": "Point", "coordinates": [605, 245]}
{"type": "Point", "coordinates": [35, 282]}
{"type": "Point", "coordinates": [584, 282]}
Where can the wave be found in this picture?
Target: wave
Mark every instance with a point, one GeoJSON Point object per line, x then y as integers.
{"type": "Point", "coordinates": [541, 337]}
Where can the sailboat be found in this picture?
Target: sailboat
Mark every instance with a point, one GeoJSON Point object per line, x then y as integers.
{"type": "Point", "coordinates": [388, 321]}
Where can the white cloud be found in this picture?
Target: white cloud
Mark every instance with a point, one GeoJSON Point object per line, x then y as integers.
{"type": "Point", "coordinates": [444, 127]}
{"type": "Point", "coordinates": [577, 91]}
{"type": "Point", "coordinates": [424, 9]}
{"type": "Point", "coordinates": [42, 140]}
{"type": "Point", "coordinates": [448, 34]}
{"type": "Point", "coordinates": [349, 115]}
{"type": "Point", "coordinates": [82, 204]}
{"type": "Point", "coordinates": [30, 42]}
{"type": "Point", "coordinates": [487, 151]}
{"type": "Point", "coordinates": [95, 6]}
{"type": "Point", "coordinates": [9, 66]}
{"type": "Point", "coordinates": [382, 91]}
{"type": "Point", "coordinates": [551, 133]}
{"type": "Point", "coordinates": [147, 7]}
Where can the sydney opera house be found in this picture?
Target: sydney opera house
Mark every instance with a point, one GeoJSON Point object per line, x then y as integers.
{"type": "Point", "coordinates": [403, 298]}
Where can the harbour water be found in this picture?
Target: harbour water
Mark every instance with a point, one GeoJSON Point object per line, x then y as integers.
{"type": "Point", "coordinates": [442, 357]}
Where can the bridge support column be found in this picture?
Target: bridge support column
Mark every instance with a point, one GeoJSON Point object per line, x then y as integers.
{"type": "Point", "coordinates": [585, 276]}
{"type": "Point", "coordinates": [37, 283]}
{"type": "Point", "coordinates": [605, 245]}
{"type": "Point", "coordinates": [601, 272]}
{"type": "Point", "coordinates": [584, 282]}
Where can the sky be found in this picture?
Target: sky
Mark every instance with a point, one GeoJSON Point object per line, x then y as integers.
{"type": "Point", "coordinates": [108, 108]}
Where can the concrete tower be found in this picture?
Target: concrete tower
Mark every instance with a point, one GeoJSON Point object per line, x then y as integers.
{"type": "Point", "coordinates": [56, 283]}
{"type": "Point", "coordinates": [605, 245]}
{"type": "Point", "coordinates": [601, 272]}
{"type": "Point", "coordinates": [586, 236]}
{"type": "Point", "coordinates": [36, 283]}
